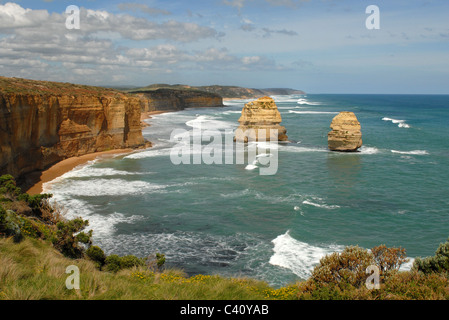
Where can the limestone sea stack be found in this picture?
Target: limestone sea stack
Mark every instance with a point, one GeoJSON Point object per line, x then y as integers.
{"type": "Point", "coordinates": [346, 135]}
{"type": "Point", "coordinates": [257, 120]}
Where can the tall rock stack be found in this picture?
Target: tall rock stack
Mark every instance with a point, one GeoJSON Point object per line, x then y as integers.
{"type": "Point", "coordinates": [257, 120]}
{"type": "Point", "coordinates": [346, 135]}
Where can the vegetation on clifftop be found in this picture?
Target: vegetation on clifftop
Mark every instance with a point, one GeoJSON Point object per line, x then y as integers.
{"type": "Point", "coordinates": [37, 244]}
{"type": "Point", "coordinates": [27, 86]}
{"type": "Point", "coordinates": [228, 92]}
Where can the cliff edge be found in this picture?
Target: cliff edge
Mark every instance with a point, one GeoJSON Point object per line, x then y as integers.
{"type": "Point", "coordinates": [42, 123]}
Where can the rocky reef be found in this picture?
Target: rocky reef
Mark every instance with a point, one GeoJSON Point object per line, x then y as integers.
{"type": "Point", "coordinates": [346, 135]}
{"type": "Point", "coordinates": [257, 120]}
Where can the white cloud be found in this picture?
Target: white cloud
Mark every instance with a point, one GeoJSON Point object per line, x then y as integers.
{"type": "Point", "coordinates": [126, 6]}
{"type": "Point", "coordinates": [108, 46]}
{"type": "Point", "coordinates": [14, 16]}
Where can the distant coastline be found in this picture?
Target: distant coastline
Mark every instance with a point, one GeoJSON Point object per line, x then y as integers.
{"type": "Point", "coordinates": [77, 123]}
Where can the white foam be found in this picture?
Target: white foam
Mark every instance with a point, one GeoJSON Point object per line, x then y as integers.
{"type": "Point", "coordinates": [89, 171]}
{"type": "Point", "coordinates": [320, 205]}
{"type": "Point", "coordinates": [294, 148]}
{"type": "Point", "coordinates": [312, 112]}
{"type": "Point", "coordinates": [149, 154]}
{"type": "Point", "coordinates": [104, 187]}
{"type": "Point", "coordinates": [251, 167]}
{"type": "Point", "coordinates": [305, 101]}
{"type": "Point", "coordinates": [413, 152]}
{"type": "Point", "coordinates": [264, 144]}
{"type": "Point", "coordinates": [297, 256]}
{"type": "Point", "coordinates": [103, 225]}
{"type": "Point", "coordinates": [368, 150]}
{"type": "Point", "coordinates": [232, 112]}
{"type": "Point", "coordinates": [400, 123]}
{"type": "Point", "coordinates": [407, 266]}
{"type": "Point", "coordinates": [204, 122]}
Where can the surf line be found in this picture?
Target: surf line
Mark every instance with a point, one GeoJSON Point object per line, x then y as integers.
{"type": "Point", "coordinates": [211, 147]}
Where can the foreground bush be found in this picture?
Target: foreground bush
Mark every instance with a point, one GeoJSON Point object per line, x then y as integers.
{"type": "Point", "coordinates": [438, 263]}
{"type": "Point", "coordinates": [343, 276]}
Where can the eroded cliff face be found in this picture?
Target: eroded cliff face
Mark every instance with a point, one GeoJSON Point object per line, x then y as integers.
{"type": "Point", "coordinates": [42, 123]}
{"type": "Point", "coordinates": [177, 99]}
{"type": "Point", "coordinates": [258, 119]}
{"type": "Point", "coordinates": [346, 135]}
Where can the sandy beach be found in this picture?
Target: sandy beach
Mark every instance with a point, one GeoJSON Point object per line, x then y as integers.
{"type": "Point", "coordinates": [69, 164]}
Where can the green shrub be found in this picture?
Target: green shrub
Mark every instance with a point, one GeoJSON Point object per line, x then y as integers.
{"type": "Point", "coordinates": [438, 263]}
{"type": "Point", "coordinates": [69, 235]}
{"type": "Point", "coordinates": [6, 178]}
{"type": "Point", "coordinates": [35, 202]}
{"type": "Point", "coordinates": [2, 219]}
{"type": "Point", "coordinates": [11, 225]}
{"type": "Point", "coordinates": [112, 263]}
{"type": "Point", "coordinates": [131, 261]}
{"type": "Point", "coordinates": [115, 263]}
{"type": "Point", "coordinates": [97, 255]}
{"type": "Point", "coordinates": [160, 260]}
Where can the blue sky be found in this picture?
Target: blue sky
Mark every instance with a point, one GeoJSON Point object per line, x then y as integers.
{"type": "Point", "coordinates": [320, 46]}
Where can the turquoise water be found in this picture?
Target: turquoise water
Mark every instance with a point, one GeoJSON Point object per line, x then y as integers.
{"type": "Point", "coordinates": [229, 219]}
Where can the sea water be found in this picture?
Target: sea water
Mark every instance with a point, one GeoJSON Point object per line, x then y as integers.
{"type": "Point", "coordinates": [228, 219]}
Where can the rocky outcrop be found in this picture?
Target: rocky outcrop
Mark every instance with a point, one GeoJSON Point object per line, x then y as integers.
{"type": "Point", "coordinates": [177, 99]}
{"type": "Point", "coordinates": [42, 123]}
{"type": "Point", "coordinates": [346, 133]}
{"type": "Point", "coordinates": [257, 120]}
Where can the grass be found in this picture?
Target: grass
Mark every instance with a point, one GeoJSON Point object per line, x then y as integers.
{"type": "Point", "coordinates": [34, 270]}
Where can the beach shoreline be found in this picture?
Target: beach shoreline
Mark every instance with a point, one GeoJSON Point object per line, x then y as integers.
{"type": "Point", "coordinates": [69, 164]}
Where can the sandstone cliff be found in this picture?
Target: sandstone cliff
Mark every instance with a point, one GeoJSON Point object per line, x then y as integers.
{"type": "Point", "coordinates": [42, 123]}
{"type": "Point", "coordinates": [346, 133]}
{"type": "Point", "coordinates": [258, 118]}
{"type": "Point", "coordinates": [176, 99]}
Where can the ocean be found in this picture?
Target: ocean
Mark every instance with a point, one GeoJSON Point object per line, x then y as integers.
{"type": "Point", "coordinates": [229, 219]}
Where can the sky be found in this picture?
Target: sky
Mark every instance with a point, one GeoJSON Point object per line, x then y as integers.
{"type": "Point", "coordinates": [319, 46]}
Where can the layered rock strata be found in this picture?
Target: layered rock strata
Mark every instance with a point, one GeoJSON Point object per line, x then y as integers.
{"type": "Point", "coordinates": [346, 135]}
{"type": "Point", "coordinates": [177, 99]}
{"type": "Point", "coordinates": [258, 120]}
{"type": "Point", "coordinates": [42, 123]}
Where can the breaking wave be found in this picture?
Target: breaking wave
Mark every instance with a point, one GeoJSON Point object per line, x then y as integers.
{"type": "Point", "coordinates": [400, 123]}
{"type": "Point", "coordinates": [312, 112]}
{"type": "Point", "coordinates": [297, 256]}
{"type": "Point", "coordinates": [413, 152]}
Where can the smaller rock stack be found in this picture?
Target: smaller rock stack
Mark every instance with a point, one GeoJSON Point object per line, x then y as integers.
{"type": "Point", "coordinates": [257, 120]}
{"type": "Point", "coordinates": [346, 135]}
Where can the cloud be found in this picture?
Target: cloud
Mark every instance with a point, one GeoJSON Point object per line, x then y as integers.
{"type": "Point", "coordinates": [142, 8]}
{"type": "Point", "coordinates": [14, 16]}
{"type": "Point", "coordinates": [239, 4]}
{"type": "Point", "coordinates": [115, 47]}
{"type": "Point", "coordinates": [15, 19]}
{"type": "Point", "coordinates": [269, 32]}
